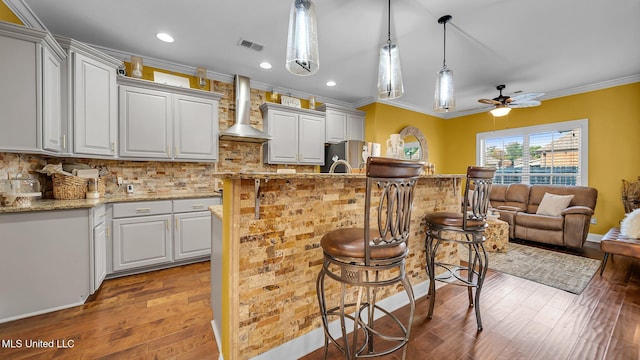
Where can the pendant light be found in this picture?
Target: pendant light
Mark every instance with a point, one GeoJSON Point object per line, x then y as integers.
{"type": "Point", "coordinates": [389, 72]}
{"type": "Point", "coordinates": [444, 99]}
{"type": "Point", "coordinates": [302, 41]}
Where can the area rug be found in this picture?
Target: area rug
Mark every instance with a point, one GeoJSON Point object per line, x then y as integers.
{"type": "Point", "coordinates": [562, 271]}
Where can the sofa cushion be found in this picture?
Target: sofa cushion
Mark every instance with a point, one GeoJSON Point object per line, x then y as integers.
{"type": "Point", "coordinates": [553, 204]}
{"type": "Point", "coordinates": [512, 195]}
{"type": "Point", "coordinates": [535, 221]}
{"type": "Point", "coordinates": [582, 195]}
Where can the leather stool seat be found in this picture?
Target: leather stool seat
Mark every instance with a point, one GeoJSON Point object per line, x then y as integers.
{"type": "Point", "coordinates": [350, 243]}
{"type": "Point", "coordinates": [453, 219]}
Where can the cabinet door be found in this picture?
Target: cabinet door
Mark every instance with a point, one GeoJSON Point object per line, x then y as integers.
{"type": "Point", "coordinates": [195, 128]}
{"type": "Point", "coordinates": [145, 123]}
{"type": "Point", "coordinates": [141, 241]}
{"type": "Point", "coordinates": [311, 139]}
{"type": "Point", "coordinates": [95, 107]}
{"type": "Point", "coordinates": [52, 127]}
{"type": "Point", "coordinates": [99, 256]}
{"type": "Point", "coordinates": [192, 235]}
{"type": "Point", "coordinates": [18, 96]}
{"type": "Point", "coordinates": [355, 127]}
{"type": "Point", "coordinates": [283, 146]}
{"type": "Point", "coordinates": [336, 125]}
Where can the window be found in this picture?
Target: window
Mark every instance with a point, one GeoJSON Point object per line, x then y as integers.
{"type": "Point", "coordinates": [551, 154]}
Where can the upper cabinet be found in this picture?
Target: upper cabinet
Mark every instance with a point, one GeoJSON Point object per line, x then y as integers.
{"type": "Point", "coordinates": [343, 123]}
{"type": "Point", "coordinates": [297, 135]}
{"type": "Point", "coordinates": [91, 106]}
{"type": "Point", "coordinates": [30, 69]}
{"type": "Point", "coordinates": [164, 122]}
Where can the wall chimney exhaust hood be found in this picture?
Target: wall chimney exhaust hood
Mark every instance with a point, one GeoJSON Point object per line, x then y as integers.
{"type": "Point", "coordinates": [242, 130]}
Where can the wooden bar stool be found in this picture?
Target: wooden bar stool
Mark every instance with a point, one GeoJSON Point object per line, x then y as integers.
{"type": "Point", "coordinates": [370, 258]}
{"type": "Point", "coordinates": [467, 228]}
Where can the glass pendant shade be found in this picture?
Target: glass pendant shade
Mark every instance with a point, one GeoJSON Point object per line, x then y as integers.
{"type": "Point", "coordinates": [302, 42]}
{"type": "Point", "coordinates": [444, 99]}
{"type": "Point", "coordinates": [390, 73]}
{"type": "Point", "coordinates": [500, 110]}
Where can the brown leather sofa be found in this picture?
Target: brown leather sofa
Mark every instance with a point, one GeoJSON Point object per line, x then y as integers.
{"type": "Point", "coordinates": [518, 203]}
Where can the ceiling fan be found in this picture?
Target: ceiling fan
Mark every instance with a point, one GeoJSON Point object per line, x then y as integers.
{"type": "Point", "coordinates": [504, 103]}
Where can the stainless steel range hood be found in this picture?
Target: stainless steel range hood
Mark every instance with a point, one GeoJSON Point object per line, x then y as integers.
{"type": "Point", "coordinates": [242, 130]}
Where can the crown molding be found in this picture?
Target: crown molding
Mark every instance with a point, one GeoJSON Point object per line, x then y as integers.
{"type": "Point", "coordinates": [25, 14]}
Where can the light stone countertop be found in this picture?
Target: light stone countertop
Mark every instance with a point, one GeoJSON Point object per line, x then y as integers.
{"type": "Point", "coordinates": [271, 175]}
{"type": "Point", "coordinates": [216, 210]}
{"type": "Point", "coordinates": [52, 204]}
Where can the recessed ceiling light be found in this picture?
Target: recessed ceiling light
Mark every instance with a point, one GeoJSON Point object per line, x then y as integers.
{"type": "Point", "coordinates": [331, 83]}
{"type": "Point", "coordinates": [165, 37]}
{"type": "Point", "coordinates": [265, 65]}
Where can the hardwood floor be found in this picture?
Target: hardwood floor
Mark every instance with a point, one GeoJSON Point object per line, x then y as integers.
{"type": "Point", "coordinates": [166, 315]}
{"type": "Point", "coordinates": [158, 315]}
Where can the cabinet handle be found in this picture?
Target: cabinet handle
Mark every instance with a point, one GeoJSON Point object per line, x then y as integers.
{"type": "Point", "coordinates": [113, 146]}
{"type": "Point", "coordinates": [142, 210]}
{"type": "Point", "coordinates": [64, 141]}
{"type": "Point", "coordinates": [108, 230]}
{"type": "Point", "coordinates": [197, 206]}
{"type": "Point", "coordinates": [177, 223]}
{"type": "Point", "coordinates": [175, 150]}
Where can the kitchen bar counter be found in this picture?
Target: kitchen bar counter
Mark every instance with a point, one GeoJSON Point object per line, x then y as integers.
{"type": "Point", "coordinates": [52, 204]}
{"type": "Point", "coordinates": [271, 256]}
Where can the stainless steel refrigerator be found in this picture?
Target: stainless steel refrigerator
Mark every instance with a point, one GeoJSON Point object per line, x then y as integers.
{"type": "Point", "coordinates": [350, 150]}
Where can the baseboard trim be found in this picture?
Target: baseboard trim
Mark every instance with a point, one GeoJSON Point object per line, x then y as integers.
{"type": "Point", "coordinates": [314, 339]}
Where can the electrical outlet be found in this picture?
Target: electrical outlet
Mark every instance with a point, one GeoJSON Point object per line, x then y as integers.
{"type": "Point", "coordinates": [594, 221]}
{"type": "Point", "coordinates": [119, 180]}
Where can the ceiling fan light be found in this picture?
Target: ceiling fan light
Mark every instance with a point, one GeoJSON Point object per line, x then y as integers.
{"type": "Point", "coordinates": [302, 41]}
{"type": "Point", "coordinates": [500, 110]}
{"type": "Point", "coordinates": [444, 99]}
{"type": "Point", "coordinates": [390, 85]}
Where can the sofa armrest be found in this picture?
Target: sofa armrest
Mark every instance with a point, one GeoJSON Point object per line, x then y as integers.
{"type": "Point", "coordinates": [579, 210]}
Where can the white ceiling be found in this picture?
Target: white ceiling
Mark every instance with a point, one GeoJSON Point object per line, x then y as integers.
{"type": "Point", "coordinates": [558, 47]}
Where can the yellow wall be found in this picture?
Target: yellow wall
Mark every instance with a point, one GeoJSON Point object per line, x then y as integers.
{"type": "Point", "coordinates": [7, 15]}
{"type": "Point", "coordinates": [382, 120]}
{"type": "Point", "coordinates": [614, 138]}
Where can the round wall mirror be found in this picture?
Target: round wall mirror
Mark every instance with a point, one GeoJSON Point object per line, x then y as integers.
{"type": "Point", "coordinates": [415, 144]}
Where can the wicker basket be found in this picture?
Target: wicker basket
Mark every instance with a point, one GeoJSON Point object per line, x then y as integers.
{"type": "Point", "coordinates": [69, 187]}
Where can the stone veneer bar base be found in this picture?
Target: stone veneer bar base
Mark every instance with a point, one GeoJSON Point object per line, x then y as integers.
{"type": "Point", "coordinates": [271, 263]}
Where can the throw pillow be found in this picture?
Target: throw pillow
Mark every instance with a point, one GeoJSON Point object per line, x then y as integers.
{"type": "Point", "coordinates": [630, 226]}
{"type": "Point", "coordinates": [553, 204]}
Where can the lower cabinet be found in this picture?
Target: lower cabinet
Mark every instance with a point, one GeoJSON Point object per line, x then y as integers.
{"type": "Point", "coordinates": [44, 262]}
{"type": "Point", "coordinates": [153, 234]}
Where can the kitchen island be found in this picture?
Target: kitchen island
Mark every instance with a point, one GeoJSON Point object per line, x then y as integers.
{"type": "Point", "coordinates": [265, 291]}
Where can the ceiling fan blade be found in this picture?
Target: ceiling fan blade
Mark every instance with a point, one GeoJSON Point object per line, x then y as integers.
{"type": "Point", "coordinates": [489, 101]}
{"type": "Point", "coordinates": [521, 104]}
{"type": "Point", "coordinates": [525, 97]}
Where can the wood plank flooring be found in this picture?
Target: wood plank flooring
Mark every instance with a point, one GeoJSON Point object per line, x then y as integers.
{"type": "Point", "coordinates": [166, 315]}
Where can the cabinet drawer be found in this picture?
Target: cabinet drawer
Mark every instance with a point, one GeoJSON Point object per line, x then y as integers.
{"type": "Point", "coordinates": [189, 205]}
{"type": "Point", "coordinates": [142, 208]}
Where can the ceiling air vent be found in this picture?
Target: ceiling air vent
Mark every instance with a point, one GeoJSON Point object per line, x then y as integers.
{"type": "Point", "coordinates": [250, 45]}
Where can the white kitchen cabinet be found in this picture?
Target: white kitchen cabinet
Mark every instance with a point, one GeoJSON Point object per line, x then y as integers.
{"type": "Point", "coordinates": [30, 65]}
{"type": "Point", "coordinates": [192, 232]}
{"type": "Point", "coordinates": [155, 234]}
{"type": "Point", "coordinates": [91, 99]}
{"type": "Point", "coordinates": [165, 122]}
{"type": "Point", "coordinates": [336, 126]}
{"type": "Point", "coordinates": [343, 123]}
{"type": "Point", "coordinates": [44, 261]}
{"type": "Point", "coordinates": [297, 135]}
{"type": "Point", "coordinates": [98, 260]}
{"type": "Point", "coordinates": [141, 234]}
